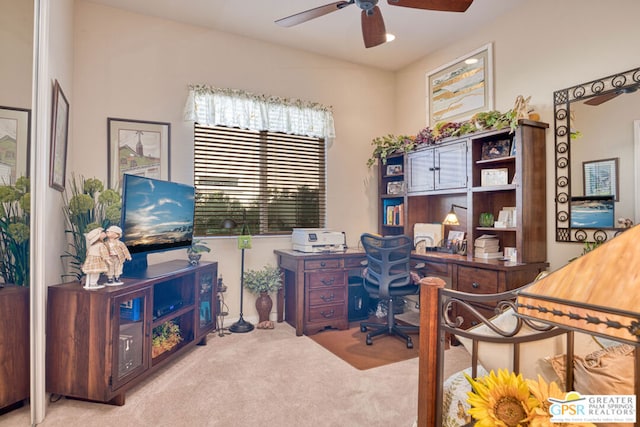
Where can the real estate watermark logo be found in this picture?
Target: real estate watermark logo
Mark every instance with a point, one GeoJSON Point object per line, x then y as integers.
{"type": "Point", "coordinates": [593, 408]}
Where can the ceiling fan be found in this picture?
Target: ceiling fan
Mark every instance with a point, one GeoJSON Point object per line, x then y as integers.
{"type": "Point", "coordinates": [600, 99]}
{"type": "Point", "coordinates": [373, 30]}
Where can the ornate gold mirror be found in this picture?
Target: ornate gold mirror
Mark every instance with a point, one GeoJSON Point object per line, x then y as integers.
{"type": "Point", "coordinates": [596, 124]}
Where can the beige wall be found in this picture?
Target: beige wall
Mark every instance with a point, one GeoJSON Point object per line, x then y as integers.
{"type": "Point", "coordinates": [16, 45]}
{"type": "Point", "coordinates": [138, 67]}
{"type": "Point", "coordinates": [539, 48]}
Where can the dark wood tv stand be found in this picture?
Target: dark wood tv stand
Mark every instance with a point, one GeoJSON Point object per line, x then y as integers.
{"type": "Point", "coordinates": [100, 342]}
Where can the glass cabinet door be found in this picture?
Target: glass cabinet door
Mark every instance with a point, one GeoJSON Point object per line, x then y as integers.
{"type": "Point", "coordinates": [131, 333]}
{"type": "Point", "coordinates": [206, 298]}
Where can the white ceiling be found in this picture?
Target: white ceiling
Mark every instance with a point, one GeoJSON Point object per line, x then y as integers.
{"type": "Point", "coordinates": [338, 34]}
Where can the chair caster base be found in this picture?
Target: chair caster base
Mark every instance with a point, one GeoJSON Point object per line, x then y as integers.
{"type": "Point", "coordinates": [363, 328]}
{"type": "Point", "coordinates": [409, 343]}
{"type": "Point", "coordinates": [369, 341]}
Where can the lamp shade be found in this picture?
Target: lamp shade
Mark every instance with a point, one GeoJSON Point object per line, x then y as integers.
{"type": "Point", "coordinates": [452, 218]}
{"type": "Point", "coordinates": [598, 292]}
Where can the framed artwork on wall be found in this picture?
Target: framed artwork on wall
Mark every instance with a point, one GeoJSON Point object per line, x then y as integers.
{"type": "Point", "coordinates": [59, 139]}
{"type": "Point", "coordinates": [15, 136]}
{"type": "Point", "coordinates": [600, 178]}
{"type": "Point", "coordinates": [138, 147]}
{"type": "Point", "coordinates": [461, 88]}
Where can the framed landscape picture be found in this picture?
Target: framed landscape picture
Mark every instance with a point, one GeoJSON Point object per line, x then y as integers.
{"type": "Point", "coordinates": [15, 135]}
{"type": "Point", "coordinates": [461, 88]}
{"type": "Point", "coordinates": [138, 147]}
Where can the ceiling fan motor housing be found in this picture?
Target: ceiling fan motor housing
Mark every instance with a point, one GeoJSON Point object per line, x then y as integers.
{"type": "Point", "coordinates": [367, 5]}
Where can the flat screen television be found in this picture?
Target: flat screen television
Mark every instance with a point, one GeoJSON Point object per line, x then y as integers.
{"type": "Point", "coordinates": [157, 216]}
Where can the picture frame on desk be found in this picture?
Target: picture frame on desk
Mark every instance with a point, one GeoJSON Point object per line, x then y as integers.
{"type": "Point", "coordinates": [395, 188]}
{"type": "Point", "coordinates": [493, 177]}
{"type": "Point", "coordinates": [394, 170]}
{"type": "Point", "coordinates": [496, 149]}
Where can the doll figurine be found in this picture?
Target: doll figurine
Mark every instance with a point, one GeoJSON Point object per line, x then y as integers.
{"type": "Point", "coordinates": [97, 260]}
{"type": "Point", "coordinates": [118, 253]}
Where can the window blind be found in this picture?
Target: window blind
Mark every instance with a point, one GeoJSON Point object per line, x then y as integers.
{"type": "Point", "coordinates": [271, 182]}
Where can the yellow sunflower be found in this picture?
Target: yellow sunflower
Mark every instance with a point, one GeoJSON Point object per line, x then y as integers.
{"type": "Point", "coordinates": [501, 400]}
{"type": "Point", "coordinates": [542, 392]}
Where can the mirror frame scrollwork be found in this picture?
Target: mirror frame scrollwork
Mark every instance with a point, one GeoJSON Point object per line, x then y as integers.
{"type": "Point", "coordinates": [627, 81]}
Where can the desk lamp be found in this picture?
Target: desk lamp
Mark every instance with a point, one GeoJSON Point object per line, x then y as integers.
{"type": "Point", "coordinates": [244, 242]}
{"type": "Point", "coordinates": [452, 218]}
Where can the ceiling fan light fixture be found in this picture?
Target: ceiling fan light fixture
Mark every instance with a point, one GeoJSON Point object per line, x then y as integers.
{"type": "Point", "coordinates": [471, 61]}
{"type": "Point", "coordinates": [390, 37]}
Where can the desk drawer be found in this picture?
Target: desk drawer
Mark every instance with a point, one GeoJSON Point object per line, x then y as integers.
{"type": "Point", "coordinates": [477, 280]}
{"type": "Point", "coordinates": [318, 264]}
{"type": "Point", "coordinates": [436, 269]}
{"type": "Point", "coordinates": [327, 313]}
{"type": "Point", "coordinates": [326, 279]}
{"type": "Point", "coordinates": [326, 296]}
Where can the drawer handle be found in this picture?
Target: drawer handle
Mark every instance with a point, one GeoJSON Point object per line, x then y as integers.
{"type": "Point", "coordinates": [331, 297]}
{"type": "Point", "coordinates": [323, 264]}
{"type": "Point", "coordinates": [475, 285]}
{"type": "Point", "coordinates": [328, 282]}
{"type": "Point", "coordinates": [329, 314]}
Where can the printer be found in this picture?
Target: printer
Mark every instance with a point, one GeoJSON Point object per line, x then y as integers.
{"type": "Point", "coordinates": [317, 240]}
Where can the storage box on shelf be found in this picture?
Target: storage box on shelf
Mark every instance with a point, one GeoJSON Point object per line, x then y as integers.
{"type": "Point", "coordinates": [100, 343]}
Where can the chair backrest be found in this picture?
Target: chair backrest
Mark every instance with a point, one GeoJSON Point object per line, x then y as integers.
{"type": "Point", "coordinates": [388, 261]}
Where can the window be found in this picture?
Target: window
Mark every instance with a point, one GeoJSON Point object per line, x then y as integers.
{"type": "Point", "coordinates": [273, 182]}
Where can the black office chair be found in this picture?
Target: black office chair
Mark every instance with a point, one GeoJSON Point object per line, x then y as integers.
{"type": "Point", "coordinates": [387, 276]}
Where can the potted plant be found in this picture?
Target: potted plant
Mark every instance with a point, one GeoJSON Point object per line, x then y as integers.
{"type": "Point", "coordinates": [194, 252]}
{"type": "Point", "coordinates": [86, 206]}
{"type": "Point", "coordinates": [15, 232]}
{"type": "Point", "coordinates": [262, 282]}
{"type": "Point", "coordinates": [165, 338]}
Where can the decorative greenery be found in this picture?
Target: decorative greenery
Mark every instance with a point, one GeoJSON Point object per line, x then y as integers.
{"type": "Point", "coordinates": [88, 206]}
{"type": "Point", "coordinates": [15, 211]}
{"type": "Point", "coordinates": [165, 337]}
{"type": "Point", "coordinates": [198, 246]}
{"type": "Point", "coordinates": [507, 399]}
{"type": "Point", "coordinates": [267, 279]}
{"type": "Point", "coordinates": [389, 144]}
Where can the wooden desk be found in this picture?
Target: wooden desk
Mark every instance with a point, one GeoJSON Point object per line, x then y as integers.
{"type": "Point", "coordinates": [315, 292]}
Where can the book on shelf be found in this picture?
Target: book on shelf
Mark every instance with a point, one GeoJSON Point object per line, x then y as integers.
{"type": "Point", "coordinates": [492, 255]}
{"type": "Point", "coordinates": [487, 250]}
{"type": "Point", "coordinates": [394, 215]}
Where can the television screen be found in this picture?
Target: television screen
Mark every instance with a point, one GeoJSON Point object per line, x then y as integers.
{"type": "Point", "coordinates": [592, 212]}
{"type": "Point", "coordinates": [156, 215]}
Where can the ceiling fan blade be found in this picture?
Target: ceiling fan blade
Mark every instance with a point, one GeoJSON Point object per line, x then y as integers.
{"type": "Point", "coordinates": [597, 100]}
{"type": "Point", "coordinates": [441, 5]}
{"type": "Point", "coordinates": [373, 30]}
{"type": "Point", "coordinates": [310, 14]}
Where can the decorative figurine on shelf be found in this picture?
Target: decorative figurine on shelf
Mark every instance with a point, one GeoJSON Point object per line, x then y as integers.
{"type": "Point", "coordinates": [118, 253]}
{"type": "Point", "coordinates": [97, 260]}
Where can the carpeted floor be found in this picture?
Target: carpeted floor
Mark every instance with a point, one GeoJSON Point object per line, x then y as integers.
{"type": "Point", "coordinates": [350, 346]}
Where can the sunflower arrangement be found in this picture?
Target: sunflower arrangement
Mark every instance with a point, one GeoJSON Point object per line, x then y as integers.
{"type": "Point", "coordinates": [508, 400]}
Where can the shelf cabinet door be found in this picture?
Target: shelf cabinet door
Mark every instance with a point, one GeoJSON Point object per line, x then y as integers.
{"type": "Point", "coordinates": [206, 290]}
{"type": "Point", "coordinates": [131, 324]}
{"type": "Point", "coordinates": [451, 166]}
{"type": "Point", "coordinates": [421, 167]}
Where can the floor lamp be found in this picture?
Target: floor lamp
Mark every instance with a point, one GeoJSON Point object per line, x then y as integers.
{"type": "Point", "coordinates": [244, 242]}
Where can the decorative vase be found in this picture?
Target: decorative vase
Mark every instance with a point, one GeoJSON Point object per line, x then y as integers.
{"type": "Point", "coordinates": [263, 306]}
{"type": "Point", "coordinates": [486, 219]}
{"type": "Point", "coordinates": [194, 258]}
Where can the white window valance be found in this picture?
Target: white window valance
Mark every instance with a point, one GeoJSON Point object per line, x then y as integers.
{"type": "Point", "coordinates": [236, 108]}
